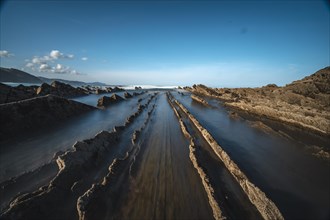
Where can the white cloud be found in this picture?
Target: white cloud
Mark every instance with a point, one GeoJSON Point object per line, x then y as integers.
{"type": "Point", "coordinates": [59, 66]}
{"type": "Point", "coordinates": [29, 65]}
{"type": "Point", "coordinates": [5, 53]}
{"type": "Point", "coordinates": [46, 63]}
{"type": "Point", "coordinates": [84, 58]}
{"type": "Point", "coordinates": [56, 54]}
{"type": "Point", "coordinates": [44, 67]}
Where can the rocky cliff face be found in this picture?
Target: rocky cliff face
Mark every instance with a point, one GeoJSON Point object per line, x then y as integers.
{"type": "Point", "coordinates": [304, 103]}
{"type": "Point", "coordinates": [36, 113]}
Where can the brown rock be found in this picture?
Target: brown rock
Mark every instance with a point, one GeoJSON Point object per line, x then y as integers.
{"type": "Point", "coordinates": [127, 95]}
{"type": "Point", "coordinates": [106, 101]}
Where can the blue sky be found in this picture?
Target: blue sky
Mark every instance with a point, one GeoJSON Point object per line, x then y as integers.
{"type": "Point", "coordinates": [217, 43]}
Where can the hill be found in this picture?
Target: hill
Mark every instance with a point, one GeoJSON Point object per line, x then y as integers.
{"type": "Point", "coordinates": [71, 82]}
{"type": "Point", "coordinates": [15, 75]}
{"type": "Point", "coordinates": [18, 76]}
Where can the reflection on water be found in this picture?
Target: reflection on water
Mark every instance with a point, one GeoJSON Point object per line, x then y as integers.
{"type": "Point", "coordinates": [296, 181]}
{"type": "Point", "coordinates": [27, 153]}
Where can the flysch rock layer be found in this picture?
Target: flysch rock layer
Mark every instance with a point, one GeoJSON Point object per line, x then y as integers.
{"type": "Point", "coordinates": [46, 202]}
{"type": "Point", "coordinates": [303, 103]}
{"type": "Point", "coordinates": [199, 99]}
{"type": "Point", "coordinates": [103, 193]}
{"type": "Point", "coordinates": [264, 205]}
{"type": "Point", "coordinates": [105, 101]}
{"type": "Point", "coordinates": [36, 113]}
{"type": "Point", "coordinates": [217, 214]}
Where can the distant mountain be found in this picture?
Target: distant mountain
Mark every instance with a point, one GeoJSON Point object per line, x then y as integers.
{"type": "Point", "coordinates": [73, 83]}
{"type": "Point", "coordinates": [18, 76]}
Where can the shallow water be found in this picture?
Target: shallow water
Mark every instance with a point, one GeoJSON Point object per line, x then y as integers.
{"type": "Point", "coordinates": [294, 179]}
{"type": "Point", "coordinates": [26, 153]}
{"type": "Point", "coordinates": [165, 182]}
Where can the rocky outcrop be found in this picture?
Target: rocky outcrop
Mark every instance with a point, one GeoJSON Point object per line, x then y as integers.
{"type": "Point", "coordinates": [76, 170]}
{"type": "Point", "coordinates": [105, 192]}
{"type": "Point", "coordinates": [36, 113]}
{"type": "Point", "coordinates": [60, 89]}
{"type": "Point", "coordinates": [217, 214]}
{"type": "Point", "coordinates": [127, 95]}
{"type": "Point", "coordinates": [264, 205]}
{"type": "Point", "coordinates": [199, 99]}
{"type": "Point", "coordinates": [115, 89]}
{"type": "Point", "coordinates": [13, 94]}
{"type": "Point", "coordinates": [106, 101]}
{"type": "Point", "coordinates": [303, 104]}
{"type": "Point", "coordinates": [100, 91]}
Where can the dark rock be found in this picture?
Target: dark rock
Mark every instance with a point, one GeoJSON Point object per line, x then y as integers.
{"type": "Point", "coordinates": [100, 91]}
{"type": "Point", "coordinates": [105, 100]}
{"type": "Point", "coordinates": [37, 113]}
{"type": "Point", "coordinates": [60, 89]}
{"type": "Point", "coordinates": [127, 95]}
{"type": "Point", "coordinates": [45, 89]}
{"type": "Point", "coordinates": [13, 94]}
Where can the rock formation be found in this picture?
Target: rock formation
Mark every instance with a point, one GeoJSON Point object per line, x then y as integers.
{"type": "Point", "coordinates": [106, 101]}
{"type": "Point", "coordinates": [60, 89]}
{"type": "Point", "coordinates": [199, 99]}
{"type": "Point", "coordinates": [127, 95]}
{"type": "Point", "coordinates": [13, 94]}
{"type": "Point", "coordinates": [304, 103]}
{"type": "Point", "coordinates": [36, 113]}
{"type": "Point", "coordinates": [100, 91]}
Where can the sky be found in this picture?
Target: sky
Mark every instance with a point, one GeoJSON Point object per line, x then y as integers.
{"type": "Point", "coordinates": [216, 43]}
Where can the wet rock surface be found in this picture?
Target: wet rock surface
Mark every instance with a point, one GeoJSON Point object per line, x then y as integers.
{"type": "Point", "coordinates": [78, 168]}
{"type": "Point", "coordinates": [158, 164]}
{"type": "Point", "coordinates": [199, 99]}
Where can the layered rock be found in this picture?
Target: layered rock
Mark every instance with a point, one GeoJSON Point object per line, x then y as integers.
{"type": "Point", "coordinates": [77, 168]}
{"type": "Point", "coordinates": [36, 113]}
{"type": "Point", "coordinates": [106, 101]}
{"type": "Point", "coordinates": [115, 89]}
{"type": "Point", "coordinates": [127, 95]}
{"type": "Point", "coordinates": [13, 94]}
{"type": "Point", "coordinates": [304, 103]}
{"type": "Point", "coordinates": [100, 91]}
{"type": "Point", "coordinates": [258, 198]}
{"type": "Point", "coordinates": [60, 89]}
{"type": "Point", "coordinates": [199, 99]}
